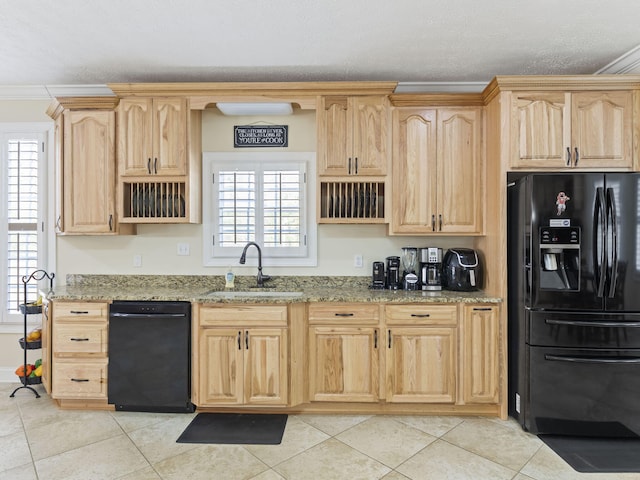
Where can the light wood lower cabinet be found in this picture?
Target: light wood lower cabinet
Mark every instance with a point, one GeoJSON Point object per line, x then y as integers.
{"type": "Point", "coordinates": [421, 354]}
{"type": "Point", "coordinates": [79, 350]}
{"type": "Point", "coordinates": [480, 353]}
{"type": "Point", "coordinates": [343, 353]}
{"type": "Point", "coordinates": [243, 355]}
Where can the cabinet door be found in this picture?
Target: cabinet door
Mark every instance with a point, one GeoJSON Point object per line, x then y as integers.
{"type": "Point", "coordinates": [343, 364]}
{"type": "Point", "coordinates": [170, 136]}
{"type": "Point", "coordinates": [459, 153]}
{"type": "Point", "coordinates": [265, 366]}
{"type": "Point", "coordinates": [89, 171]}
{"type": "Point", "coordinates": [370, 136]}
{"type": "Point", "coordinates": [334, 145]}
{"type": "Point", "coordinates": [602, 129]}
{"type": "Point", "coordinates": [421, 365]}
{"type": "Point", "coordinates": [46, 347]}
{"type": "Point", "coordinates": [540, 130]}
{"type": "Point", "coordinates": [135, 134]}
{"type": "Point", "coordinates": [414, 171]}
{"type": "Point", "coordinates": [59, 173]}
{"type": "Point", "coordinates": [221, 366]}
{"type": "Point", "coordinates": [480, 358]}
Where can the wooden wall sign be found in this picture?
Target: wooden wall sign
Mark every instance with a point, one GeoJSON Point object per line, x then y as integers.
{"type": "Point", "coordinates": [260, 136]}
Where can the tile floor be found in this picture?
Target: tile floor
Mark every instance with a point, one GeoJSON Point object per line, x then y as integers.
{"type": "Point", "coordinates": [40, 441]}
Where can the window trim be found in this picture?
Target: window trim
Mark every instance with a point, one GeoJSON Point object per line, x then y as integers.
{"type": "Point", "coordinates": [209, 214]}
{"type": "Point", "coordinates": [12, 323]}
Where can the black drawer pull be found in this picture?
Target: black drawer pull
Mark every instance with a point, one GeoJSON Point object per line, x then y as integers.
{"type": "Point", "coordinates": [482, 309]}
{"type": "Point", "coordinates": [344, 314]}
{"type": "Point", "coordinates": [79, 379]}
{"type": "Point", "coordinates": [79, 312]}
{"type": "Point", "coordinates": [79, 339]}
{"type": "Point", "coordinates": [421, 315]}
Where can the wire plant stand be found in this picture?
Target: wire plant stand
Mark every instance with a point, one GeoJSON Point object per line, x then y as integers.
{"type": "Point", "coordinates": [37, 276]}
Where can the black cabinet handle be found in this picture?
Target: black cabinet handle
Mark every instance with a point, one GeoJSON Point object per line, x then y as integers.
{"type": "Point", "coordinates": [111, 222]}
{"type": "Point", "coordinates": [568, 156]}
{"type": "Point", "coordinates": [79, 379]}
{"type": "Point", "coordinates": [239, 340]}
{"type": "Point", "coordinates": [79, 312]}
{"type": "Point", "coordinates": [577, 157]}
{"type": "Point", "coordinates": [149, 165]}
{"type": "Point", "coordinates": [482, 309]}
{"type": "Point", "coordinates": [349, 168]}
{"type": "Point", "coordinates": [246, 339]}
{"type": "Point", "coordinates": [440, 221]}
{"type": "Point", "coordinates": [155, 165]}
{"type": "Point", "coordinates": [356, 165]}
{"type": "Point", "coordinates": [79, 339]}
{"type": "Point", "coordinates": [389, 332]}
{"type": "Point", "coordinates": [421, 315]}
{"type": "Point", "coordinates": [433, 223]}
{"type": "Point", "coordinates": [375, 339]}
{"type": "Point", "coordinates": [343, 314]}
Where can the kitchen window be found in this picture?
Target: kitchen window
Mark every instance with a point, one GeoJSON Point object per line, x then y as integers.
{"type": "Point", "coordinates": [260, 197]}
{"type": "Point", "coordinates": [23, 189]}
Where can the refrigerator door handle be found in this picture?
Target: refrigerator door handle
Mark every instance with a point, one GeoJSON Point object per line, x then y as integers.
{"type": "Point", "coordinates": [599, 242]}
{"type": "Point", "coordinates": [612, 248]}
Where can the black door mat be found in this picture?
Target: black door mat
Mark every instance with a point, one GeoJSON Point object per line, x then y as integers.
{"type": "Point", "coordinates": [235, 428]}
{"type": "Point", "coordinates": [596, 454]}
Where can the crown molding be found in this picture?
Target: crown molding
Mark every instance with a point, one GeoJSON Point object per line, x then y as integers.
{"type": "Point", "coordinates": [440, 87]}
{"type": "Point", "coordinates": [626, 63]}
{"type": "Point", "coordinates": [47, 92]}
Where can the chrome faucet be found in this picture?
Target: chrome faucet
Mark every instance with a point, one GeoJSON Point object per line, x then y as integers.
{"type": "Point", "coordinates": [243, 258]}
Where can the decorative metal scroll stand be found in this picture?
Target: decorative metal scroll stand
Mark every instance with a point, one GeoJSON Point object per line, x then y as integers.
{"type": "Point", "coordinates": [37, 275]}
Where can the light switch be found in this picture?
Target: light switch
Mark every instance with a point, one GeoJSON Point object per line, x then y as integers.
{"type": "Point", "coordinates": [183, 249]}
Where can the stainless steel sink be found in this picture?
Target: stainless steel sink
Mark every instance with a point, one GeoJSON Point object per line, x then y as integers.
{"type": "Point", "coordinates": [252, 293]}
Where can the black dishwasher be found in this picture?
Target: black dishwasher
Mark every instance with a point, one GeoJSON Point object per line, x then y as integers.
{"type": "Point", "coordinates": [150, 356]}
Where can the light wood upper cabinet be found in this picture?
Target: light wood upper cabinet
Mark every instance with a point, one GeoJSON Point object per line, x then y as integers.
{"type": "Point", "coordinates": [480, 353]}
{"type": "Point", "coordinates": [344, 353]}
{"type": "Point", "coordinates": [85, 165]}
{"type": "Point", "coordinates": [152, 136]}
{"type": "Point", "coordinates": [558, 130]}
{"type": "Point", "coordinates": [240, 362]}
{"type": "Point", "coordinates": [421, 353]}
{"type": "Point", "coordinates": [353, 135]}
{"type": "Point", "coordinates": [88, 172]}
{"type": "Point", "coordinates": [437, 170]}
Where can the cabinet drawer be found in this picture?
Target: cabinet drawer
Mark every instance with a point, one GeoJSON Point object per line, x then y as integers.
{"type": "Point", "coordinates": [79, 379]}
{"type": "Point", "coordinates": [83, 311]}
{"type": "Point", "coordinates": [332, 313]}
{"type": "Point", "coordinates": [246, 315]}
{"type": "Point", "coordinates": [79, 338]}
{"type": "Point", "coordinates": [421, 314]}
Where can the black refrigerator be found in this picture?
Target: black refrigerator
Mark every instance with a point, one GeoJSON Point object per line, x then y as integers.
{"type": "Point", "coordinates": [574, 303]}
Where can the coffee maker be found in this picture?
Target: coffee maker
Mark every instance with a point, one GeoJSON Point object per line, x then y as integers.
{"type": "Point", "coordinates": [393, 273]}
{"type": "Point", "coordinates": [431, 268]}
{"type": "Point", "coordinates": [409, 263]}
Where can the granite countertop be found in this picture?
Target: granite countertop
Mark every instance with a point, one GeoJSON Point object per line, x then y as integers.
{"type": "Point", "coordinates": [279, 290]}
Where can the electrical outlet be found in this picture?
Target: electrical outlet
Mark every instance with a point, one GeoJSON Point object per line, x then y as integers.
{"type": "Point", "coordinates": [183, 249]}
{"type": "Point", "coordinates": [357, 260]}
{"type": "Point", "coordinates": [137, 260]}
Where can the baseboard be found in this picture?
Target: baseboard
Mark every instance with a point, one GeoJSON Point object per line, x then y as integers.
{"type": "Point", "coordinates": [8, 375]}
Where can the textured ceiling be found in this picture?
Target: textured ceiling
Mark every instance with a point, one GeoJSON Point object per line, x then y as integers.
{"type": "Point", "coordinates": [71, 42]}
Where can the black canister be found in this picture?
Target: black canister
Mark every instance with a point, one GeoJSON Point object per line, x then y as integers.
{"type": "Point", "coordinates": [393, 273]}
